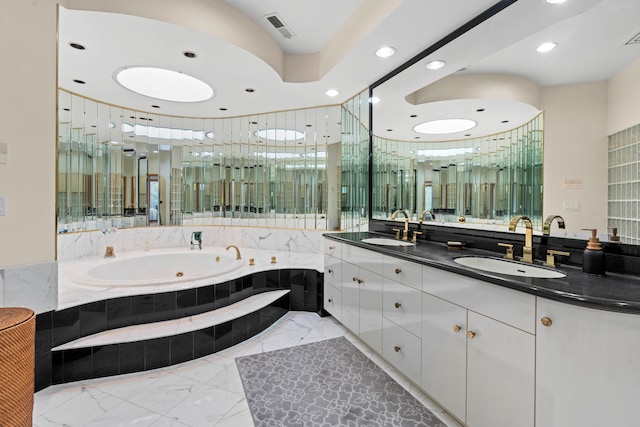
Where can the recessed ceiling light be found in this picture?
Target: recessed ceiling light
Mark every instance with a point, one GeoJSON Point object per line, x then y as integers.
{"type": "Point", "coordinates": [505, 121]}
{"type": "Point", "coordinates": [436, 127]}
{"type": "Point", "coordinates": [155, 106]}
{"type": "Point", "coordinates": [280, 134]}
{"type": "Point", "coordinates": [222, 109]}
{"type": "Point", "coordinates": [374, 100]}
{"type": "Point", "coordinates": [413, 115]}
{"type": "Point", "coordinates": [189, 54]}
{"type": "Point", "coordinates": [389, 130]}
{"type": "Point", "coordinates": [249, 90]}
{"type": "Point", "coordinates": [164, 84]}
{"type": "Point", "coordinates": [546, 47]}
{"type": "Point", "coordinates": [480, 110]}
{"type": "Point", "coordinates": [332, 92]}
{"type": "Point", "coordinates": [80, 82]}
{"type": "Point", "coordinates": [77, 46]}
{"type": "Point", "coordinates": [435, 65]}
{"type": "Point", "coordinates": [385, 51]}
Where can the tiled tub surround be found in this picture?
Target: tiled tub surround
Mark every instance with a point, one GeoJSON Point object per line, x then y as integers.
{"type": "Point", "coordinates": [85, 311]}
{"type": "Point", "coordinates": [513, 354]}
{"type": "Point", "coordinates": [73, 246]}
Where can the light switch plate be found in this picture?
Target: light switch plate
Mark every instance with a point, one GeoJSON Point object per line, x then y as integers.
{"type": "Point", "coordinates": [3, 205]}
{"type": "Point", "coordinates": [572, 184]}
{"type": "Point", "coordinates": [571, 206]}
{"type": "Point", "coordinates": [4, 153]}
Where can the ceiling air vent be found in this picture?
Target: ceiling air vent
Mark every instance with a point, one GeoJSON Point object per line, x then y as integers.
{"type": "Point", "coordinates": [279, 25]}
{"type": "Point", "coordinates": [634, 40]}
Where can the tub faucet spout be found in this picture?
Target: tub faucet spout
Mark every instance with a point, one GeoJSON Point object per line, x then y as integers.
{"type": "Point", "coordinates": [196, 238]}
{"type": "Point", "coordinates": [237, 250]}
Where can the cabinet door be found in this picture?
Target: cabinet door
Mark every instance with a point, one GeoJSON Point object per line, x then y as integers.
{"type": "Point", "coordinates": [351, 297]}
{"type": "Point", "coordinates": [332, 301]}
{"type": "Point", "coordinates": [444, 353]}
{"type": "Point", "coordinates": [402, 349]}
{"type": "Point", "coordinates": [371, 309]}
{"type": "Point", "coordinates": [588, 368]}
{"type": "Point", "coordinates": [500, 374]}
{"type": "Point", "coordinates": [332, 270]}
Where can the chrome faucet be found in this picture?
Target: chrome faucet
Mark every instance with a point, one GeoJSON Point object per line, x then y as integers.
{"type": "Point", "coordinates": [527, 249]}
{"type": "Point", "coordinates": [196, 238]}
{"type": "Point", "coordinates": [432, 216]}
{"type": "Point", "coordinates": [405, 234]}
{"type": "Point", "coordinates": [237, 250]}
{"type": "Point", "coordinates": [546, 227]}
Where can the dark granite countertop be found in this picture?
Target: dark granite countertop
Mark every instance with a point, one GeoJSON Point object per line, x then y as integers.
{"type": "Point", "coordinates": [613, 292]}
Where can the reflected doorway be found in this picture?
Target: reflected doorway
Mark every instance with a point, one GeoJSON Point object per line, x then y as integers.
{"type": "Point", "coordinates": [153, 200]}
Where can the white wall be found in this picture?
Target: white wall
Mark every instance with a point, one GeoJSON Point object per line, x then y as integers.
{"type": "Point", "coordinates": [28, 111]}
{"type": "Point", "coordinates": [575, 148]}
{"type": "Point", "coordinates": [624, 94]}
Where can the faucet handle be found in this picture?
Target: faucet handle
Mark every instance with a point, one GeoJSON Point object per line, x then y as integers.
{"type": "Point", "coordinates": [551, 262]}
{"type": "Point", "coordinates": [509, 254]}
{"type": "Point", "coordinates": [397, 230]}
{"type": "Point", "coordinates": [414, 239]}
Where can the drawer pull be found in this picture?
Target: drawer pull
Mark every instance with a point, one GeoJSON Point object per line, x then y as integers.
{"type": "Point", "coordinates": [396, 348]}
{"type": "Point", "coordinates": [398, 305]}
{"type": "Point", "coordinates": [546, 321]}
{"type": "Point", "coordinates": [331, 248]}
{"type": "Point", "coordinates": [471, 335]}
{"type": "Point", "coordinates": [457, 328]}
{"type": "Point", "coordinates": [398, 271]}
{"type": "Point", "coordinates": [330, 300]}
{"type": "Point", "coordinates": [330, 271]}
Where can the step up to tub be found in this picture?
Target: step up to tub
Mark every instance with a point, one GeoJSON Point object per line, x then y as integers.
{"type": "Point", "coordinates": [158, 344]}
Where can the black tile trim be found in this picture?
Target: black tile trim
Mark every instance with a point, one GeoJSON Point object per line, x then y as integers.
{"type": "Point", "coordinates": [116, 359]}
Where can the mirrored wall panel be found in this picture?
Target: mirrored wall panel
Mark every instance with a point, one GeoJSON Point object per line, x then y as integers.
{"type": "Point", "coordinates": [124, 168]}
{"type": "Point", "coordinates": [487, 179]}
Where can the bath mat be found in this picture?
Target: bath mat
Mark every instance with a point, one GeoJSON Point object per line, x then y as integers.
{"type": "Point", "coordinates": [327, 383]}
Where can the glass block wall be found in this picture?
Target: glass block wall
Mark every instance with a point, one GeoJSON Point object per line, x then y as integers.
{"type": "Point", "coordinates": [624, 184]}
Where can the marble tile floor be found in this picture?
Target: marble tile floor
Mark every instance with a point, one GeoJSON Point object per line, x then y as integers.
{"type": "Point", "coordinates": [203, 392]}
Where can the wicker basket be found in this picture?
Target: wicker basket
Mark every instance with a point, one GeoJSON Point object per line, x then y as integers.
{"type": "Point", "coordinates": [17, 360]}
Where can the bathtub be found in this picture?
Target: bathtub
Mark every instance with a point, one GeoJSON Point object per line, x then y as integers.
{"type": "Point", "coordinates": [157, 269]}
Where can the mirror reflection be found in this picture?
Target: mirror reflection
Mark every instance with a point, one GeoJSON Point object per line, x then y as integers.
{"type": "Point", "coordinates": [125, 168]}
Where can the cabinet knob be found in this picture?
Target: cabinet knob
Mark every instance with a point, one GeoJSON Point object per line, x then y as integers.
{"type": "Point", "coordinates": [396, 348]}
{"type": "Point", "coordinates": [546, 321]}
{"type": "Point", "coordinates": [355, 279]}
{"type": "Point", "coordinates": [471, 335]}
{"type": "Point", "coordinates": [398, 271]}
{"type": "Point", "coordinates": [330, 300]}
{"type": "Point", "coordinates": [398, 305]}
{"type": "Point", "coordinates": [330, 271]}
{"type": "Point", "coordinates": [457, 328]}
{"type": "Point", "coordinates": [331, 248]}
{"type": "Point", "coordinates": [360, 280]}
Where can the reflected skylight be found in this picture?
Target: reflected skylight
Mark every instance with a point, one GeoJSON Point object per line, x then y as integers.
{"type": "Point", "coordinates": [280, 134]}
{"type": "Point", "coordinates": [166, 133]}
{"type": "Point", "coordinates": [445, 152]}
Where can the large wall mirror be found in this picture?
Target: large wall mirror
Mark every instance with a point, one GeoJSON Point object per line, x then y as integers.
{"type": "Point", "coordinates": [124, 168]}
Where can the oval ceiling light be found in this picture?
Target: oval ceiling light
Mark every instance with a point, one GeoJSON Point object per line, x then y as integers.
{"type": "Point", "coordinates": [332, 92]}
{"type": "Point", "coordinates": [164, 84]}
{"type": "Point", "coordinates": [546, 47]}
{"type": "Point", "coordinates": [385, 51]}
{"type": "Point", "coordinates": [437, 127]}
{"type": "Point", "coordinates": [280, 134]}
{"type": "Point", "coordinates": [435, 65]}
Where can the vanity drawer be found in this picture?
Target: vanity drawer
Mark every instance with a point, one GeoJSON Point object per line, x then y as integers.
{"type": "Point", "coordinates": [332, 270]}
{"type": "Point", "coordinates": [402, 349]}
{"type": "Point", "coordinates": [401, 305]}
{"type": "Point", "coordinates": [363, 258]}
{"type": "Point", "coordinates": [405, 272]}
{"type": "Point", "coordinates": [509, 306]}
{"type": "Point", "coordinates": [333, 248]}
{"type": "Point", "coordinates": [333, 300]}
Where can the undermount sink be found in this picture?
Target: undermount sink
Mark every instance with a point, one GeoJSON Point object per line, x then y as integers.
{"type": "Point", "coordinates": [503, 266]}
{"type": "Point", "coordinates": [381, 241]}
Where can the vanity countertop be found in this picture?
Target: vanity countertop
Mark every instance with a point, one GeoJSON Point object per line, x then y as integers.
{"type": "Point", "coordinates": [613, 292]}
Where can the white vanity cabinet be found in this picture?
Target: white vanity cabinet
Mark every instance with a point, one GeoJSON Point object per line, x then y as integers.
{"type": "Point", "coordinates": [588, 367]}
{"type": "Point", "coordinates": [476, 361]}
{"type": "Point", "coordinates": [333, 279]}
{"type": "Point", "coordinates": [362, 294]}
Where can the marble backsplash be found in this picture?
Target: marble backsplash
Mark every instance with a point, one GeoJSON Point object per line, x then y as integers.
{"type": "Point", "coordinates": [93, 243]}
{"type": "Point", "coordinates": [32, 286]}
